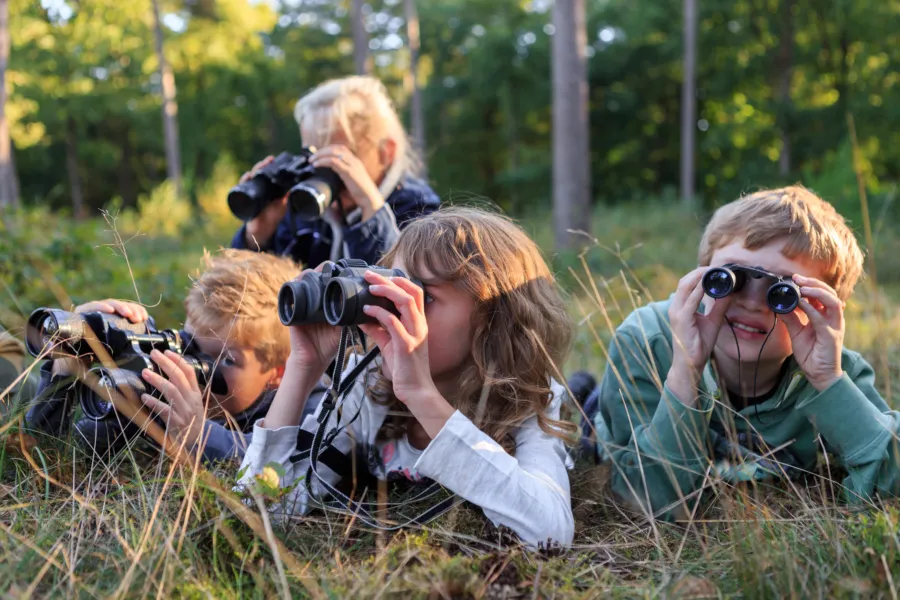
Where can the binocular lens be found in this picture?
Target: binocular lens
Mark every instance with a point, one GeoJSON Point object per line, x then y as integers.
{"type": "Point", "coordinates": [97, 403]}
{"type": "Point", "coordinates": [287, 303]}
{"type": "Point", "coordinates": [246, 200]}
{"type": "Point", "coordinates": [309, 199]}
{"type": "Point", "coordinates": [39, 332]}
{"type": "Point", "coordinates": [342, 306]}
{"type": "Point", "coordinates": [718, 283]}
{"type": "Point", "coordinates": [782, 298]}
{"type": "Point", "coordinates": [300, 302]}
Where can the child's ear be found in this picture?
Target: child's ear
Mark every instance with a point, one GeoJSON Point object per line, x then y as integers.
{"type": "Point", "coordinates": [275, 381]}
{"type": "Point", "coordinates": [387, 152]}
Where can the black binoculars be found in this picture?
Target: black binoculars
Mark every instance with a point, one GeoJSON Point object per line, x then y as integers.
{"type": "Point", "coordinates": [52, 333]}
{"type": "Point", "coordinates": [309, 190]}
{"type": "Point", "coordinates": [782, 296]}
{"type": "Point", "coordinates": [335, 296]}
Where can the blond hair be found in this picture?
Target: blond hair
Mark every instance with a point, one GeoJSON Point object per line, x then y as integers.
{"type": "Point", "coordinates": [521, 330]}
{"type": "Point", "coordinates": [238, 292]}
{"type": "Point", "coordinates": [811, 226]}
{"type": "Point", "coordinates": [361, 108]}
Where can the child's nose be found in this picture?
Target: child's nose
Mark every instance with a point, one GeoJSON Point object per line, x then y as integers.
{"type": "Point", "coordinates": [753, 295]}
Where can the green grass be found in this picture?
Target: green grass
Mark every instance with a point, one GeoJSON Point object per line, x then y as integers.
{"type": "Point", "coordinates": [143, 526]}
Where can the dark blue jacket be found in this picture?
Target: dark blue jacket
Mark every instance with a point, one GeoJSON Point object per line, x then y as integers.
{"type": "Point", "coordinates": [309, 242]}
{"type": "Point", "coordinates": [51, 411]}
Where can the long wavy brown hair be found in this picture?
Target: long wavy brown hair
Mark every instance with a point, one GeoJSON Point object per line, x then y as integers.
{"type": "Point", "coordinates": [521, 330]}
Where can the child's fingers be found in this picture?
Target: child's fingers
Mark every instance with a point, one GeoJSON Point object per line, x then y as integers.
{"type": "Point", "coordinates": [168, 366]}
{"type": "Point", "coordinates": [793, 324]}
{"type": "Point", "coordinates": [692, 302]}
{"type": "Point", "coordinates": [716, 314]}
{"type": "Point", "coordinates": [816, 318]}
{"type": "Point", "coordinates": [156, 406]}
{"type": "Point", "coordinates": [405, 303]}
{"type": "Point", "coordinates": [391, 323]}
{"type": "Point", "coordinates": [813, 282]}
{"type": "Point", "coordinates": [189, 374]}
{"type": "Point", "coordinates": [413, 290]}
{"type": "Point", "coordinates": [379, 336]}
{"type": "Point", "coordinates": [827, 297]}
{"type": "Point", "coordinates": [168, 389]}
{"type": "Point", "coordinates": [687, 285]}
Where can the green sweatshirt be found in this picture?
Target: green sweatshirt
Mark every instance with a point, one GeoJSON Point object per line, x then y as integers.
{"type": "Point", "coordinates": [660, 450]}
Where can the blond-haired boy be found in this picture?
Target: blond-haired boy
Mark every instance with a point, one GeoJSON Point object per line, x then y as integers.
{"type": "Point", "coordinates": [731, 387]}
{"type": "Point", "coordinates": [231, 314]}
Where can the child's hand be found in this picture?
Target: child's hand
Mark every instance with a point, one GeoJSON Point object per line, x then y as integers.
{"type": "Point", "coordinates": [404, 348]}
{"type": "Point", "coordinates": [817, 344]}
{"type": "Point", "coordinates": [403, 341]}
{"type": "Point", "coordinates": [694, 335]}
{"type": "Point", "coordinates": [132, 311]}
{"type": "Point", "coordinates": [360, 187]}
{"type": "Point", "coordinates": [314, 346]}
{"type": "Point", "coordinates": [184, 414]}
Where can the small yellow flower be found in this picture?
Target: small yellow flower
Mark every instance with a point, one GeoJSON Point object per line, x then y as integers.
{"type": "Point", "coordinates": [269, 477]}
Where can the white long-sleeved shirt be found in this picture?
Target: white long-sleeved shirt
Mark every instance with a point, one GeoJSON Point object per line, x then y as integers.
{"type": "Point", "coordinates": [528, 492]}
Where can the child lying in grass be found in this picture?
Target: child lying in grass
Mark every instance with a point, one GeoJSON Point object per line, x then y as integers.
{"type": "Point", "coordinates": [463, 393]}
{"type": "Point", "coordinates": [231, 314]}
{"type": "Point", "coordinates": [747, 384]}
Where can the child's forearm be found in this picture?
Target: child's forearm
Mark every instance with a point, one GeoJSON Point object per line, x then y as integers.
{"type": "Point", "coordinates": [287, 407]}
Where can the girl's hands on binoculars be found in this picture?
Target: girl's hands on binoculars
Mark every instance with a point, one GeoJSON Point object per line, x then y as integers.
{"type": "Point", "coordinates": [817, 343]}
{"type": "Point", "coordinates": [694, 334]}
{"type": "Point", "coordinates": [130, 310]}
{"type": "Point", "coordinates": [184, 412]}
{"type": "Point", "coordinates": [261, 228]}
{"type": "Point", "coordinates": [314, 346]}
{"type": "Point", "coordinates": [403, 342]}
{"type": "Point", "coordinates": [361, 188]}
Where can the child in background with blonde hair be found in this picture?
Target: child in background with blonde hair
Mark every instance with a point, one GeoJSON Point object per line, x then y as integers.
{"type": "Point", "coordinates": [353, 124]}
{"type": "Point", "coordinates": [463, 391]}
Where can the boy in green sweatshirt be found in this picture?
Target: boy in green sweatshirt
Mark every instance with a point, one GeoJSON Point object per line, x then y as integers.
{"type": "Point", "coordinates": [742, 388]}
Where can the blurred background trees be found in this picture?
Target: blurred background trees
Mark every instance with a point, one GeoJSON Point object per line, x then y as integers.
{"type": "Point", "coordinates": [774, 81]}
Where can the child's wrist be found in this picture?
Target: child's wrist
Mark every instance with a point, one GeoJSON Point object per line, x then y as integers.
{"type": "Point", "coordinates": [430, 409]}
{"type": "Point", "coordinates": [683, 381]}
{"type": "Point", "coordinates": [822, 383]}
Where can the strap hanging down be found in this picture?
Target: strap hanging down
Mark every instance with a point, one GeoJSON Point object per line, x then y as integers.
{"type": "Point", "coordinates": [339, 462]}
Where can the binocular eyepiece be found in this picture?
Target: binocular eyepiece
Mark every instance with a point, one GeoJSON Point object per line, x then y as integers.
{"type": "Point", "coordinates": [335, 296]}
{"type": "Point", "coordinates": [782, 296]}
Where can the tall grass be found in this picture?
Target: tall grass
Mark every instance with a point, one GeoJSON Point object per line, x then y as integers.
{"type": "Point", "coordinates": [145, 525]}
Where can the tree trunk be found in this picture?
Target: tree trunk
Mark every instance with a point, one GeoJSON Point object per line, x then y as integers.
{"type": "Point", "coordinates": [689, 102]}
{"type": "Point", "coordinates": [169, 106]}
{"type": "Point", "coordinates": [9, 185]}
{"type": "Point", "coordinates": [571, 147]}
{"type": "Point", "coordinates": [75, 189]}
{"type": "Point", "coordinates": [127, 184]}
{"type": "Point", "coordinates": [785, 69]}
{"type": "Point", "coordinates": [360, 38]}
{"type": "Point", "coordinates": [417, 117]}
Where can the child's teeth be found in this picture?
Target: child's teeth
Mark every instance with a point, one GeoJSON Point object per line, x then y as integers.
{"type": "Point", "coordinates": [746, 328]}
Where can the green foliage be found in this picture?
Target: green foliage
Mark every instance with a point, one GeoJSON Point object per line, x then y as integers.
{"type": "Point", "coordinates": [83, 85]}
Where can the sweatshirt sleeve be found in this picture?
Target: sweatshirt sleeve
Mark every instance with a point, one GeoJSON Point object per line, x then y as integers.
{"type": "Point", "coordinates": [220, 443]}
{"type": "Point", "coordinates": [282, 447]}
{"type": "Point", "coordinates": [528, 492]}
{"type": "Point", "coordinates": [657, 446]}
{"type": "Point", "coordinates": [861, 430]}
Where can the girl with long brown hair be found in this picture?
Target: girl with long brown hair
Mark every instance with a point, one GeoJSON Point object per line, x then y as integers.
{"type": "Point", "coordinates": [463, 393]}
